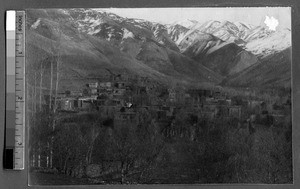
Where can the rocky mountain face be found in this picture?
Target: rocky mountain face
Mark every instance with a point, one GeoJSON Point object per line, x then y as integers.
{"type": "Point", "coordinates": [231, 49]}
{"type": "Point", "coordinates": [223, 56]}
{"type": "Point", "coordinates": [186, 52]}
{"type": "Point", "coordinates": [271, 44]}
{"type": "Point", "coordinates": [273, 71]}
{"type": "Point", "coordinates": [176, 32]}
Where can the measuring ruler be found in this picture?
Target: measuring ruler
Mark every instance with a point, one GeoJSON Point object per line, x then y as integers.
{"type": "Point", "coordinates": [15, 91]}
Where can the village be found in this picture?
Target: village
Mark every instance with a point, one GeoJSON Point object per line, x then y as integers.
{"type": "Point", "coordinates": [123, 97]}
{"type": "Point", "coordinates": [171, 117]}
{"type": "Point", "coordinates": [114, 96]}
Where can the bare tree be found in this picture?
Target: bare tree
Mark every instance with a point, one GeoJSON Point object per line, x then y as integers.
{"type": "Point", "coordinates": [56, 54]}
{"type": "Point", "coordinates": [42, 69]}
{"type": "Point", "coordinates": [51, 85]}
{"type": "Point", "coordinates": [35, 93]}
{"type": "Point", "coordinates": [93, 134]}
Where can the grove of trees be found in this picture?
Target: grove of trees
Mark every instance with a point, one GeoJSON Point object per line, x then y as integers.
{"type": "Point", "coordinates": [86, 145]}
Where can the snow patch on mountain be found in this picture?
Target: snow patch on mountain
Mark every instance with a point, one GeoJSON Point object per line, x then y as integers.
{"type": "Point", "coordinates": [91, 32]}
{"type": "Point", "coordinates": [109, 36]}
{"type": "Point", "coordinates": [208, 26]}
{"type": "Point", "coordinates": [182, 34]}
{"type": "Point", "coordinates": [186, 23]}
{"type": "Point", "coordinates": [256, 33]}
{"type": "Point", "coordinates": [243, 26]}
{"type": "Point", "coordinates": [127, 34]}
{"type": "Point", "coordinates": [139, 26]}
{"type": "Point", "coordinates": [95, 22]}
{"type": "Point", "coordinates": [36, 23]}
{"type": "Point", "coordinates": [176, 32]}
{"type": "Point", "coordinates": [270, 44]}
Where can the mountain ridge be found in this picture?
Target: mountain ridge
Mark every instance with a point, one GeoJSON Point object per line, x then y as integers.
{"type": "Point", "coordinates": [198, 53]}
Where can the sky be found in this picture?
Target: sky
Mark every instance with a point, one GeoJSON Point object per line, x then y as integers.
{"type": "Point", "coordinates": [254, 15]}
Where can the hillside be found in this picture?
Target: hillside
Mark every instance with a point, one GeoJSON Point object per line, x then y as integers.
{"type": "Point", "coordinates": [87, 42]}
{"type": "Point", "coordinates": [273, 71]}
{"type": "Point", "coordinates": [53, 33]}
{"type": "Point", "coordinates": [225, 58]}
{"type": "Point", "coordinates": [232, 49]}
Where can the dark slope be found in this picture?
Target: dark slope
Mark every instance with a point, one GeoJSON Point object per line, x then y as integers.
{"type": "Point", "coordinates": [53, 36]}
{"type": "Point", "coordinates": [273, 71]}
{"type": "Point", "coordinates": [229, 59]}
{"type": "Point", "coordinates": [89, 42]}
{"type": "Point", "coordinates": [224, 58]}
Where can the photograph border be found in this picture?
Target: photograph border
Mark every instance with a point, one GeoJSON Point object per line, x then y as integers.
{"type": "Point", "coordinates": [18, 179]}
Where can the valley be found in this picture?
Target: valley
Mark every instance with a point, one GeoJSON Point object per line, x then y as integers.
{"type": "Point", "coordinates": [117, 100]}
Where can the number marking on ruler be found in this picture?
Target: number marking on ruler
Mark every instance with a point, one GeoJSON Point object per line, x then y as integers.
{"type": "Point", "coordinates": [20, 91]}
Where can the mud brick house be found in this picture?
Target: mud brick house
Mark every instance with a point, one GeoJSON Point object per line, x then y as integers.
{"type": "Point", "coordinates": [120, 84]}
{"type": "Point", "coordinates": [76, 93]}
{"type": "Point", "coordinates": [169, 110]}
{"type": "Point", "coordinates": [209, 107]}
{"type": "Point", "coordinates": [66, 104]}
{"type": "Point", "coordinates": [164, 112]}
{"type": "Point", "coordinates": [198, 95]}
{"type": "Point", "coordinates": [117, 102]}
{"type": "Point", "coordinates": [256, 105]}
{"type": "Point", "coordinates": [87, 103]}
{"type": "Point", "coordinates": [94, 91]}
{"type": "Point", "coordinates": [93, 85]}
{"type": "Point", "coordinates": [211, 100]}
{"type": "Point", "coordinates": [118, 92]}
{"type": "Point", "coordinates": [127, 116]}
{"type": "Point", "coordinates": [107, 110]}
{"type": "Point", "coordinates": [208, 111]}
{"type": "Point", "coordinates": [172, 95]}
{"type": "Point", "coordinates": [219, 95]}
{"type": "Point", "coordinates": [124, 114]}
{"type": "Point", "coordinates": [76, 104]}
{"type": "Point", "coordinates": [208, 114]}
{"type": "Point", "coordinates": [93, 88]}
{"type": "Point", "coordinates": [105, 85]}
{"type": "Point", "coordinates": [228, 102]}
{"type": "Point", "coordinates": [235, 111]}
{"type": "Point", "coordinates": [101, 102]}
{"type": "Point", "coordinates": [61, 95]}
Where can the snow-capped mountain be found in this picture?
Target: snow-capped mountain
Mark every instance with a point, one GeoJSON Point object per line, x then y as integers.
{"type": "Point", "coordinates": [270, 44]}
{"type": "Point", "coordinates": [243, 26]}
{"type": "Point", "coordinates": [238, 32]}
{"type": "Point", "coordinates": [162, 36]}
{"type": "Point", "coordinates": [113, 27]}
{"type": "Point", "coordinates": [259, 40]}
{"type": "Point", "coordinates": [185, 50]}
{"type": "Point", "coordinates": [109, 25]}
{"type": "Point", "coordinates": [186, 23]}
{"type": "Point", "coordinates": [224, 30]}
{"type": "Point", "coordinates": [176, 32]}
{"type": "Point", "coordinates": [223, 57]}
{"type": "Point", "coordinates": [88, 49]}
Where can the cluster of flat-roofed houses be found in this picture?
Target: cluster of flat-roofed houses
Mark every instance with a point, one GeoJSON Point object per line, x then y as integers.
{"type": "Point", "coordinates": [123, 100]}
{"type": "Point", "coordinates": [106, 97]}
{"type": "Point", "coordinates": [119, 99]}
{"type": "Point", "coordinates": [110, 98]}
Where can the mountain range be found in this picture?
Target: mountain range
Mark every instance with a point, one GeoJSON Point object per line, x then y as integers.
{"type": "Point", "coordinates": [89, 42]}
